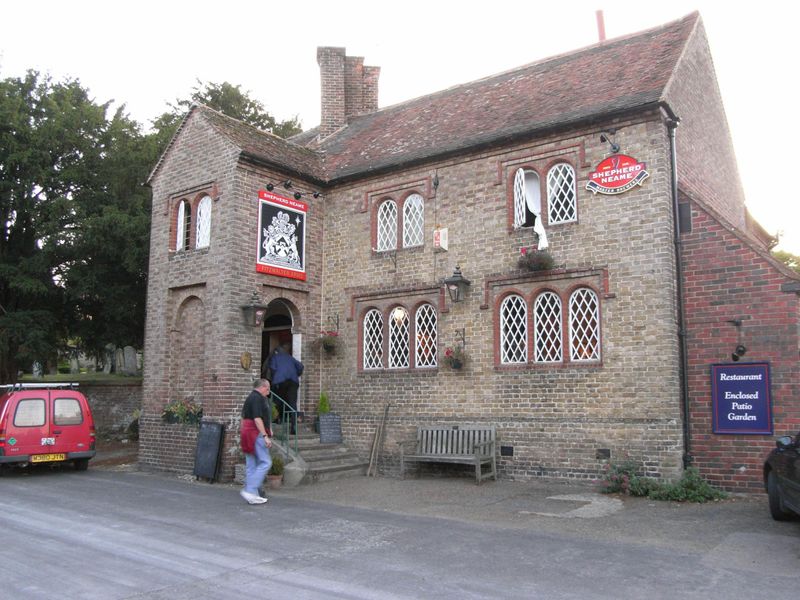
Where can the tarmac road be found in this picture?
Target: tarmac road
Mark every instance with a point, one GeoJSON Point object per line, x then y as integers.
{"type": "Point", "coordinates": [121, 533]}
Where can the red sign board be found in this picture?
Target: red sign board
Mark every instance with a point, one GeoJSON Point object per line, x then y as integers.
{"type": "Point", "coordinates": [281, 236]}
{"type": "Point", "coordinates": [617, 174]}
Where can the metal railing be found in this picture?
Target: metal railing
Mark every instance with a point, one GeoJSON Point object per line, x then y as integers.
{"type": "Point", "coordinates": [284, 426]}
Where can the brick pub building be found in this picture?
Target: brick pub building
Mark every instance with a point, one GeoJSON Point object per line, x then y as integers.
{"type": "Point", "coordinates": [659, 272]}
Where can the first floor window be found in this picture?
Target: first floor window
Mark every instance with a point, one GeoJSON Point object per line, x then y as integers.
{"type": "Point", "coordinates": [513, 330]}
{"type": "Point", "coordinates": [584, 325]}
{"type": "Point", "coordinates": [373, 340]}
{"type": "Point", "coordinates": [425, 335]}
{"type": "Point", "coordinates": [184, 225]}
{"type": "Point", "coordinates": [547, 328]}
{"type": "Point", "coordinates": [203, 223]}
{"type": "Point", "coordinates": [387, 226]}
{"type": "Point", "coordinates": [398, 338]}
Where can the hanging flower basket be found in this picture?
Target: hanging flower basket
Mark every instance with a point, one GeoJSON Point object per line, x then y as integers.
{"type": "Point", "coordinates": [454, 357]}
{"type": "Point", "coordinates": [533, 259]}
{"type": "Point", "coordinates": [329, 340]}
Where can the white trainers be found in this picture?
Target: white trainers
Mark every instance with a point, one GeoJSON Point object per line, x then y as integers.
{"type": "Point", "coordinates": [252, 498]}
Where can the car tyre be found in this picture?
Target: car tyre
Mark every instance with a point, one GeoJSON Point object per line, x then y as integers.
{"type": "Point", "coordinates": [776, 509]}
{"type": "Point", "coordinates": [81, 464]}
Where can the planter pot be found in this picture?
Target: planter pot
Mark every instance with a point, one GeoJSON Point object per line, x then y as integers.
{"type": "Point", "coordinates": [274, 481]}
{"type": "Point", "coordinates": [456, 364]}
{"type": "Point", "coordinates": [329, 348]}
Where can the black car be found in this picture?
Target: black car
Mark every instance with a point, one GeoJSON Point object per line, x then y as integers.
{"type": "Point", "coordinates": [782, 478]}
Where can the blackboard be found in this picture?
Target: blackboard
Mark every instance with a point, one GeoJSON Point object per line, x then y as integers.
{"type": "Point", "coordinates": [209, 444]}
{"type": "Point", "coordinates": [330, 429]}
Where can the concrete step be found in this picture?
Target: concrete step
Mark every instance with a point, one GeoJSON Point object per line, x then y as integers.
{"type": "Point", "coordinates": [329, 473]}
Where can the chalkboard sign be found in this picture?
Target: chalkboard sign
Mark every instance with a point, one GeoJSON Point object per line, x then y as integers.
{"type": "Point", "coordinates": [330, 429]}
{"type": "Point", "coordinates": [207, 456]}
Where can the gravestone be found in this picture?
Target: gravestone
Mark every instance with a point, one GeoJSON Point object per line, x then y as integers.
{"type": "Point", "coordinates": [37, 369]}
{"type": "Point", "coordinates": [129, 361]}
{"type": "Point", "coordinates": [108, 363]}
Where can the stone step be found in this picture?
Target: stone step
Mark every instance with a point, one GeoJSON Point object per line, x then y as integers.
{"type": "Point", "coordinates": [332, 459]}
{"type": "Point", "coordinates": [329, 473]}
{"type": "Point", "coordinates": [325, 453]}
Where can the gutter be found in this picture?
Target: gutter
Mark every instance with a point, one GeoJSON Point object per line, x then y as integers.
{"type": "Point", "coordinates": [672, 124]}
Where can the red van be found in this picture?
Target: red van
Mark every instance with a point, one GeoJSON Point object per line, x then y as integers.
{"type": "Point", "coordinates": [45, 423]}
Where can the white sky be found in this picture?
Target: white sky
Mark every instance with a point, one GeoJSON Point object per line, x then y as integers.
{"type": "Point", "coordinates": [148, 53]}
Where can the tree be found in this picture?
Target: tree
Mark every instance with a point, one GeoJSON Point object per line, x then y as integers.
{"type": "Point", "coordinates": [790, 260]}
{"type": "Point", "coordinates": [48, 135]}
{"type": "Point", "coordinates": [230, 100]}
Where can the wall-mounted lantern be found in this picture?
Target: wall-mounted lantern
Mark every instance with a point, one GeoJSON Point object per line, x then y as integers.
{"type": "Point", "coordinates": [457, 285]}
{"type": "Point", "coordinates": [254, 312]}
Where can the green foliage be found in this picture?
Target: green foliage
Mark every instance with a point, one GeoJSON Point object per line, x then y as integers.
{"type": "Point", "coordinates": [790, 260]}
{"type": "Point", "coordinates": [230, 100]}
{"type": "Point", "coordinates": [182, 411]}
{"type": "Point", "coordinates": [324, 406]}
{"type": "Point", "coordinates": [624, 478]}
{"type": "Point", "coordinates": [277, 466]}
{"type": "Point", "coordinates": [690, 488]}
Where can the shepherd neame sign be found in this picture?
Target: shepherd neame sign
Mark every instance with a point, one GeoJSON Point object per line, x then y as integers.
{"type": "Point", "coordinates": [617, 174]}
{"type": "Point", "coordinates": [740, 395]}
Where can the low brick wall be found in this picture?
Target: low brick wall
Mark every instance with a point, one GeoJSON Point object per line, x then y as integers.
{"type": "Point", "coordinates": [113, 403]}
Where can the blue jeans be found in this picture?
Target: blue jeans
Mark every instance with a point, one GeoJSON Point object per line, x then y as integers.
{"type": "Point", "coordinates": [256, 466]}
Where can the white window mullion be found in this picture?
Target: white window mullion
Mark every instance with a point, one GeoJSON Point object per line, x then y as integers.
{"type": "Point", "coordinates": [513, 330]}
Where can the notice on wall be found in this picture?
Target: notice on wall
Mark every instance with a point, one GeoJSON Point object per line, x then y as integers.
{"type": "Point", "coordinates": [281, 236]}
{"type": "Point", "coordinates": [740, 395]}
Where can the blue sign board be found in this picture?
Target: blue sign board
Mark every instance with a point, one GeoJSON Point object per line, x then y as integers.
{"type": "Point", "coordinates": [740, 395]}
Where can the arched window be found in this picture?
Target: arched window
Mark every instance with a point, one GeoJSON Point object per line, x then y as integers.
{"type": "Point", "coordinates": [561, 194]}
{"type": "Point", "coordinates": [547, 345]}
{"type": "Point", "coordinates": [584, 326]}
{"type": "Point", "coordinates": [398, 338]}
{"type": "Point", "coordinates": [183, 222]}
{"type": "Point", "coordinates": [513, 330]}
{"type": "Point", "coordinates": [425, 332]}
{"type": "Point", "coordinates": [413, 221]}
{"type": "Point", "coordinates": [373, 340]}
{"type": "Point", "coordinates": [528, 203]}
{"type": "Point", "coordinates": [387, 226]}
{"type": "Point", "coordinates": [203, 236]}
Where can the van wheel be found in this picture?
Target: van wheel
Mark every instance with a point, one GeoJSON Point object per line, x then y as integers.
{"type": "Point", "coordinates": [81, 464]}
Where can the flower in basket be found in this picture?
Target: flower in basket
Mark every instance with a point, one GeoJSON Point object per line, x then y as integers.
{"type": "Point", "coordinates": [535, 259]}
{"type": "Point", "coordinates": [329, 339]}
{"type": "Point", "coordinates": [454, 356]}
{"type": "Point", "coordinates": [182, 411]}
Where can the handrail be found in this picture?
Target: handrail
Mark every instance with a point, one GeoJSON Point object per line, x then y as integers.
{"type": "Point", "coordinates": [285, 423]}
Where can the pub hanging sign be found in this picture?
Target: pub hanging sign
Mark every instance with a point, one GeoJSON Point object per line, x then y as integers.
{"type": "Point", "coordinates": [281, 236]}
{"type": "Point", "coordinates": [617, 174]}
{"type": "Point", "coordinates": [740, 397]}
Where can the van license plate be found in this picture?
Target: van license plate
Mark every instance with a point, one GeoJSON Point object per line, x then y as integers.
{"type": "Point", "coordinates": [37, 458]}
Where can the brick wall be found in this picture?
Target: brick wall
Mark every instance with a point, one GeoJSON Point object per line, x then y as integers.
{"type": "Point", "coordinates": [554, 417]}
{"type": "Point", "coordinates": [113, 404]}
{"type": "Point", "coordinates": [728, 278]}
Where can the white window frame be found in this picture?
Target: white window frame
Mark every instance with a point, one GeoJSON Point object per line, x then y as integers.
{"type": "Point", "coordinates": [372, 340]}
{"type": "Point", "coordinates": [581, 331]}
{"type": "Point", "coordinates": [387, 226]}
{"type": "Point", "coordinates": [518, 355]}
{"type": "Point", "coordinates": [413, 221]}
{"type": "Point", "coordinates": [528, 202]}
{"type": "Point", "coordinates": [561, 182]}
{"type": "Point", "coordinates": [183, 220]}
{"type": "Point", "coordinates": [551, 329]}
{"type": "Point", "coordinates": [399, 338]}
{"type": "Point", "coordinates": [203, 233]}
{"type": "Point", "coordinates": [426, 349]}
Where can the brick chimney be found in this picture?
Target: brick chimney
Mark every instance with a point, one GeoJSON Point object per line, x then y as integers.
{"type": "Point", "coordinates": [348, 88]}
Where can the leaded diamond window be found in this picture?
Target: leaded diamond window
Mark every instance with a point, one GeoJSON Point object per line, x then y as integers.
{"type": "Point", "coordinates": [387, 226]}
{"type": "Point", "coordinates": [203, 223]}
{"type": "Point", "coordinates": [513, 330]}
{"type": "Point", "coordinates": [373, 340]}
{"type": "Point", "coordinates": [584, 326]}
{"type": "Point", "coordinates": [561, 194]}
{"type": "Point", "coordinates": [547, 331]}
{"type": "Point", "coordinates": [399, 325]}
{"type": "Point", "coordinates": [413, 221]}
{"type": "Point", "coordinates": [426, 336]}
{"type": "Point", "coordinates": [183, 223]}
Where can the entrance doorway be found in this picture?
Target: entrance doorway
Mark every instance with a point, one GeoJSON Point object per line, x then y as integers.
{"type": "Point", "coordinates": [278, 324]}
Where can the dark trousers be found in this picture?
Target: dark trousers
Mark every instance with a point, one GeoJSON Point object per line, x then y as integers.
{"type": "Point", "coordinates": [288, 391]}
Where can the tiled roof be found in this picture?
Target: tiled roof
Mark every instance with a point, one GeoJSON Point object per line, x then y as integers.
{"type": "Point", "coordinates": [613, 76]}
{"type": "Point", "coordinates": [265, 146]}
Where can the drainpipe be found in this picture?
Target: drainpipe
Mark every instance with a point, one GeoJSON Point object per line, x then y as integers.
{"type": "Point", "coordinates": [672, 124]}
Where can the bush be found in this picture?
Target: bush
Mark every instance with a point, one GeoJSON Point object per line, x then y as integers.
{"type": "Point", "coordinates": [324, 404]}
{"type": "Point", "coordinates": [690, 488]}
{"type": "Point", "coordinates": [623, 478]}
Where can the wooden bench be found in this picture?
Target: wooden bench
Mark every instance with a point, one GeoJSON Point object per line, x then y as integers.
{"type": "Point", "coordinates": [464, 444]}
